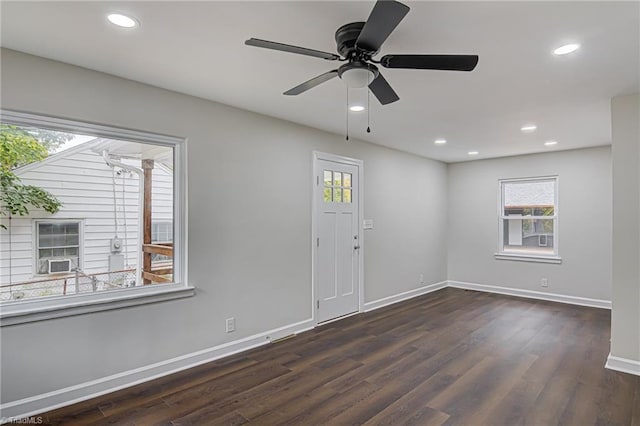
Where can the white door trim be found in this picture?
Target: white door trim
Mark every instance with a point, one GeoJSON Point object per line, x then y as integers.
{"type": "Point", "coordinates": [317, 155]}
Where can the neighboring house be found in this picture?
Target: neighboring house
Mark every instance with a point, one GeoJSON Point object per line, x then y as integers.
{"type": "Point", "coordinates": [99, 205]}
{"type": "Point", "coordinates": [529, 199]}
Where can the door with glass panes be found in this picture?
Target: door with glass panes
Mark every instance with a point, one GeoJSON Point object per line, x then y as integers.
{"type": "Point", "coordinates": [338, 240]}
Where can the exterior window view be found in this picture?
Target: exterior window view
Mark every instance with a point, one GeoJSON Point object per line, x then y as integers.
{"type": "Point", "coordinates": [82, 214]}
{"type": "Point", "coordinates": [337, 187]}
{"type": "Point", "coordinates": [528, 216]}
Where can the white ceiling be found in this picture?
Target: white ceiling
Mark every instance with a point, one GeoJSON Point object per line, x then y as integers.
{"type": "Point", "coordinates": [197, 48]}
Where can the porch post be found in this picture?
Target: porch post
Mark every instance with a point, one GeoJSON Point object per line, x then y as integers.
{"type": "Point", "coordinates": [147, 167]}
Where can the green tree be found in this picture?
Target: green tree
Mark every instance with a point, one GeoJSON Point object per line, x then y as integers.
{"type": "Point", "coordinates": [19, 147]}
{"type": "Point", "coordinates": [50, 139]}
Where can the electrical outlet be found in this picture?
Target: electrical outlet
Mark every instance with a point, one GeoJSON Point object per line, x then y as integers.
{"type": "Point", "coordinates": [231, 325]}
{"type": "Point", "coordinates": [544, 282]}
{"type": "Point", "coordinates": [421, 278]}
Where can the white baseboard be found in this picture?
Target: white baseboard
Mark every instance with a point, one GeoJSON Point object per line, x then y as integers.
{"type": "Point", "coordinates": [623, 364]}
{"type": "Point", "coordinates": [385, 301]}
{"type": "Point", "coordinates": [553, 297]}
{"type": "Point", "coordinates": [59, 398]}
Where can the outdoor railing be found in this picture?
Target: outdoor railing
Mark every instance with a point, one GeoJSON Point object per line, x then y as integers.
{"type": "Point", "coordinates": [152, 273]}
{"type": "Point", "coordinates": [77, 283]}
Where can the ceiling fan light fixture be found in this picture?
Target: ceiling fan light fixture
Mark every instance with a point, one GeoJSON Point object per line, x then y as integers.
{"type": "Point", "coordinates": [357, 77]}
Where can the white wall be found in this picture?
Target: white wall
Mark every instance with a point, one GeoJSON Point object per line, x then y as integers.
{"type": "Point", "coordinates": [249, 226]}
{"type": "Point", "coordinates": [584, 191]}
{"type": "Point", "coordinates": [625, 316]}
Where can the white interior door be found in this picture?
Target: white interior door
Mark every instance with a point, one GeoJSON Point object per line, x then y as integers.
{"type": "Point", "coordinates": [337, 240]}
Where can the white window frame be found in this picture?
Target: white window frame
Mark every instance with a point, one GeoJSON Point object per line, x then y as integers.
{"type": "Point", "coordinates": [38, 309]}
{"type": "Point", "coordinates": [529, 257]}
{"type": "Point", "coordinates": [36, 241]}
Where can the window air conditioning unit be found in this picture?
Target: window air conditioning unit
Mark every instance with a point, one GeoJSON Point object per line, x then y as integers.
{"type": "Point", "coordinates": [58, 266]}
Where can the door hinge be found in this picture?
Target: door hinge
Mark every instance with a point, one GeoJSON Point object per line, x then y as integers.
{"type": "Point", "coordinates": [318, 242]}
{"type": "Point", "coordinates": [317, 180]}
{"type": "Point", "coordinates": [318, 304]}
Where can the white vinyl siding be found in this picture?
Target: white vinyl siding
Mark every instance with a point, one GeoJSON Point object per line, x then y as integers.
{"type": "Point", "coordinates": [83, 183]}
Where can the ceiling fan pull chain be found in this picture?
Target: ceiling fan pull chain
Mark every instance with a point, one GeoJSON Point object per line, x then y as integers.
{"type": "Point", "coordinates": [368, 104]}
{"type": "Point", "coordinates": [347, 112]}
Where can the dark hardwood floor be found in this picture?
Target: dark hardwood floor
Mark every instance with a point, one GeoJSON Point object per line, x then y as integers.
{"type": "Point", "coordinates": [452, 357]}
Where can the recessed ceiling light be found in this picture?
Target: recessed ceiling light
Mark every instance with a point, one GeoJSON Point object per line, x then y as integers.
{"type": "Point", "coordinates": [356, 108]}
{"type": "Point", "coordinates": [567, 48]}
{"type": "Point", "coordinates": [528, 128]}
{"type": "Point", "coordinates": [123, 21]}
{"type": "Point", "coordinates": [551, 143]}
{"type": "Point", "coordinates": [473, 153]}
{"type": "Point", "coordinates": [440, 141]}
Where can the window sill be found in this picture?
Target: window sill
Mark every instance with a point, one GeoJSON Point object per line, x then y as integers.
{"type": "Point", "coordinates": [528, 258]}
{"type": "Point", "coordinates": [19, 312]}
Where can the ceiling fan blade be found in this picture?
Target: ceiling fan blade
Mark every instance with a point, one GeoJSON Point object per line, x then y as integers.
{"type": "Point", "coordinates": [383, 91]}
{"type": "Point", "coordinates": [291, 49]}
{"type": "Point", "coordinates": [431, 62]}
{"type": "Point", "coordinates": [309, 84]}
{"type": "Point", "coordinates": [384, 18]}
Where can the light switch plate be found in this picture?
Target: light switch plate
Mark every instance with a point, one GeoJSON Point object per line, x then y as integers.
{"type": "Point", "coordinates": [367, 224]}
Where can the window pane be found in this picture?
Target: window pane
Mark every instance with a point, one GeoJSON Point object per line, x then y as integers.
{"type": "Point", "coordinates": [525, 198]}
{"type": "Point", "coordinates": [327, 195]}
{"type": "Point", "coordinates": [58, 240]}
{"type": "Point", "coordinates": [162, 232]}
{"type": "Point", "coordinates": [118, 194]}
{"type": "Point", "coordinates": [528, 235]}
{"type": "Point", "coordinates": [337, 178]}
{"type": "Point", "coordinates": [71, 240]}
{"type": "Point", "coordinates": [328, 177]}
{"type": "Point", "coordinates": [46, 241]}
{"type": "Point", "coordinates": [529, 211]}
{"type": "Point", "coordinates": [337, 195]}
{"type": "Point", "coordinates": [347, 179]}
{"type": "Point", "coordinates": [45, 228]}
{"type": "Point", "coordinates": [346, 195]}
{"type": "Point", "coordinates": [58, 234]}
{"type": "Point", "coordinates": [71, 228]}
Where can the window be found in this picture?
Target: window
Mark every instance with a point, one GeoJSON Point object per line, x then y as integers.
{"type": "Point", "coordinates": [161, 232]}
{"type": "Point", "coordinates": [94, 252]}
{"type": "Point", "coordinates": [57, 245]}
{"type": "Point", "coordinates": [337, 187]}
{"type": "Point", "coordinates": [529, 219]}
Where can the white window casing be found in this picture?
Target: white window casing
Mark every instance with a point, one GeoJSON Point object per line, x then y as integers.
{"type": "Point", "coordinates": [43, 308]}
{"type": "Point", "coordinates": [519, 196]}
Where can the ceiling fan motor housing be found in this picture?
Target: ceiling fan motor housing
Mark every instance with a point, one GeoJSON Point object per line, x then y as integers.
{"type": "Point", "coordinates": [346, 37]}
